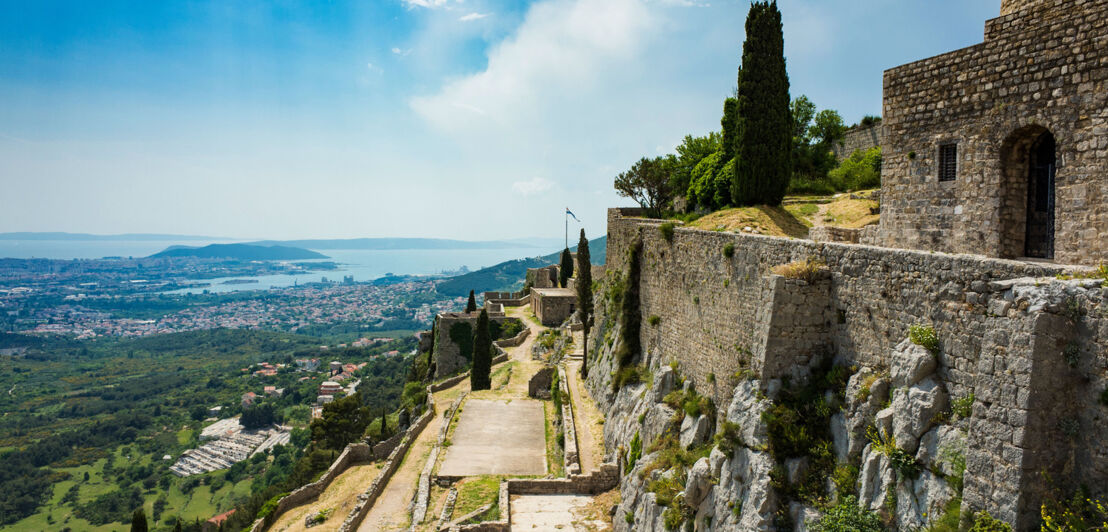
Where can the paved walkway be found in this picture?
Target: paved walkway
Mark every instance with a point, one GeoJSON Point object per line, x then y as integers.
{"type": "Point", "coordinates": [549, 512]}
{"type": "Point", "coordinates": [497, 438]}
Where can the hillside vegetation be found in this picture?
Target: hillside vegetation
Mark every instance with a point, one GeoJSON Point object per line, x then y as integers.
{"type": "Point", "coordinates": [87, 423]}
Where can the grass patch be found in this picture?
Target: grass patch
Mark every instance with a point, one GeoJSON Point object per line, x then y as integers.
{"type": "Point", "coordinates": [806, 270]}
{"type": "Point", "coordinates": [763, 219]}
{"type": "Point", "coordinates": [554, 453]}
{"type": "Point", "coordinates": [476, 492]}
{"type": "Point", "coordinates": [667, 231]}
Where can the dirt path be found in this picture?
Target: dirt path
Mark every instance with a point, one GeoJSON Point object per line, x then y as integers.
{"type": "Point", "coordinates": [588, 420]}
{"type": "Point", "coordinates": [339, 497]}
{"type": "Point", "coordinates": [821, 213]}
{"type": "Point", "coordinates": [390, 512]}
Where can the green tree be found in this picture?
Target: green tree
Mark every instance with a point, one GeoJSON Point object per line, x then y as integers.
{"type": "Point", "coordinates": [482, 355]}
{"type": "Point", "coordinates": [729, 123]}
{"type": "Point", "coordinates": [138, 521]}
{"type": "Point", "coordinates": [763, 136]}
{"type": "Point", "coordinates": [647, 182]}
{"type": "Point", "coordinates": [859, 171]}
{"type": "Point", "coordinates": [177, 527]}
{"type": "Point", "coordinates": [342, 422]}
{"type": "Point", "coordinates": [471, 305]}
{"type": "Point", "coordinates": [584, 298]}
{"type": "Point", "coordinates": [689, 154]}
{"type": "Point", "coordinates": [565, 269]}
{"type": "Point", "coordinates": [384, 424]}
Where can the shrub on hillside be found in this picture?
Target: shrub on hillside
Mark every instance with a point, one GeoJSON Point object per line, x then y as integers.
{"type": "Point", "coordinates": [859, 171]}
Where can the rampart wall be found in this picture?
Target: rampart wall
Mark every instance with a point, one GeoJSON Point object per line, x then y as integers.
{"type": "Point", "coordinates": [1001, 340]}
{"type": "Point", "coordinates": [857, 138]}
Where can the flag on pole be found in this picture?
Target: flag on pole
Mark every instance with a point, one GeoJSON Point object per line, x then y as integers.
{"type": "Point", "coordinates": [569, 212]}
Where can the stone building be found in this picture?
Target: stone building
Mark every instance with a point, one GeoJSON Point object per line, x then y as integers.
{"type": "Point", "coordinates": [1001, 148]}
{"type": "Point", "coordinates": [553, 306]}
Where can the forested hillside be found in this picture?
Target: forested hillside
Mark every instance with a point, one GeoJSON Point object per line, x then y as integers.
{"type": "Point", "coordinates": [86, 424]}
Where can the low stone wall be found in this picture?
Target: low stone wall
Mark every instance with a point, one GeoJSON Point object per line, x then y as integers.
{"type": "Point", "coordinates": [569, 430]}
{"type": "Point", "coordinates": [539, 385]}
{"type": "Point", "coordinates": [509, 299]}
{"type": "Point", "coordinates": [352, 454]}
{"type": "Point", "coordinates": [515, 340]}
{"type": "Point", "coordinates": [447, 383]}
{"type": "Point", "coordinates": [592, 483]}
{"type": "Point", "coordinates": [834, 234]}
{"type": "Point", "coordinates": [383, 449]}
{"type": "Point", "coordinates": [423, 489]}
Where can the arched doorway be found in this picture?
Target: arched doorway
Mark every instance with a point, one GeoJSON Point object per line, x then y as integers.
{"type": "Point", "coordinates": [1039, 241]}
{"type": "Point", "coordinates": [1028, 169]}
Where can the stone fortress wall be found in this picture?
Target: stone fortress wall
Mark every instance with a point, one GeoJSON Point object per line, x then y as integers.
{"type": "Point", "coordinates": [1041, 68]}
{"type": "Point", "coordinates": [447, 354]}
{"type": "Point", "coordinates": [857, 138]}
{"type": "Point", "coordinates": [1000, 340]}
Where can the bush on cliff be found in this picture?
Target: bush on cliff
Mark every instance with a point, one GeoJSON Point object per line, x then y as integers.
{"type": "Point", "coordinates": [847, 516]}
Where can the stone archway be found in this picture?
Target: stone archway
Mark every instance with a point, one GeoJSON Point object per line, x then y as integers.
{"type": "Point", "coordinates": [1028, 163]}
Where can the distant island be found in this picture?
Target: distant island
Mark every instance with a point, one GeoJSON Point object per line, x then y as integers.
{"type": "Point", "coordinates": [239, 251]}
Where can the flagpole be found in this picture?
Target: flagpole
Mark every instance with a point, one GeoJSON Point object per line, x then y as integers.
{"type": "Point", "coordinates": [567, 227]}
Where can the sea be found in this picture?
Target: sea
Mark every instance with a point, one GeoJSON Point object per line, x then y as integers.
{"type": "Point", "coordinates": [362, 264]}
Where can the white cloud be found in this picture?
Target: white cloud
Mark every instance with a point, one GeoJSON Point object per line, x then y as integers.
{"type": "Point", "coordinates": [536, 185]}
{"type": "Point", "coordinates": [400, 52]}
{"type": "Point", "coordinates": [473, 16]}
{"type": "Point", "coordinates": [430, 4]}
{"type": "Point", "coordinates": [562, 50]}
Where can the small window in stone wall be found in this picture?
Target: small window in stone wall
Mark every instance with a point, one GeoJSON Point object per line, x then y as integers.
{"type": "Point", "coordinates": [948, 162]}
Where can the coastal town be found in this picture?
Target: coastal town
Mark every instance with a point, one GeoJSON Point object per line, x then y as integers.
{"type": "Point", "coordinates": [359, 307]}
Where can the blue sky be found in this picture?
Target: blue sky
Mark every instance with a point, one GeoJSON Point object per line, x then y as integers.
{"type": "Point", "coordinates": [474, 119]}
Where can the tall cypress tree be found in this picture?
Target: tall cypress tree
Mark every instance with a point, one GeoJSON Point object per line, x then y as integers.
{"type": "Point", "coordinates": [138, 521]}
{"type": "Point", "coordinates": [584, 298]}
{"type": "Point", "coordinates": [763, 136]}
{"type": "Point", "coordinates": [565, 269]}
{"type": "Point", "coordinates": [471, 305]}
{"type": "Point", "coordinates": [482, 355]}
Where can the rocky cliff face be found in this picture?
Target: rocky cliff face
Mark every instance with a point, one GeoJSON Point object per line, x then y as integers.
{"type": "Point", "coordinates": [893, 444]}
{"type": "Point", "coordinates": [823, 402]}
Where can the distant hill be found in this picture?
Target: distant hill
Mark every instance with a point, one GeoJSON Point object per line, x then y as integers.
{"type": "Point", "coordinates": [508, 276]}
{"type": "Point", "coordinates": [392, 243]}
{"type": "Point", "coordinates": [130, 237]}
{"type": "Point", "coordinates": [240, 251]}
